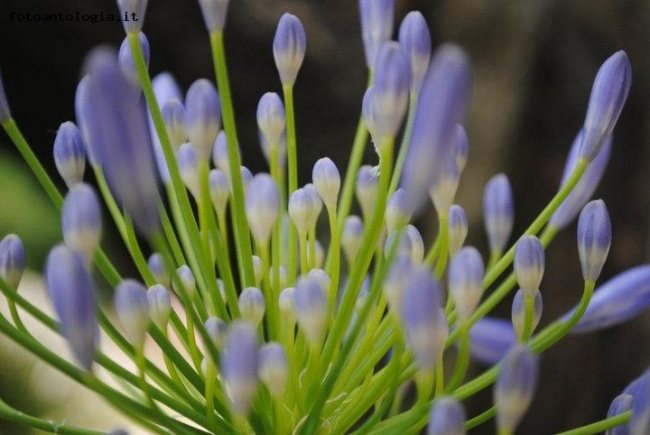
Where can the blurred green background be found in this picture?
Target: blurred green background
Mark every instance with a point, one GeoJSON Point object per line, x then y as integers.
{"type": "Point", "coordinates": [534, 63]}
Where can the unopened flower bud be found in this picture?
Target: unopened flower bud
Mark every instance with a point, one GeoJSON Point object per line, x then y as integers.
{"type": "Point", "coordinates": [81, 221]}
{"type": "Point", "coordinates": [187, 282]}
{"type": "Point", "coordinates": [377, 18]}
{"type": "Point", "coordinates": [217, 330]}
{"type": "Point", "coordinates": [12, 260]}
{"type": "Point", "coordinates": [303, 210]}
{"type": "Point", "coordinates": [127, 63]}
{"type": "Point", "coordinates": [271, 117]}
{"type": "Point", "coordinates": [415, 38]}
{"type": "Point", "coordinates": [132, 12]}
{"type": "Point", "coordinates": [70, 154]}
{"type": "Point", "coordinates": [417, 244]}
{"type": "Point", "coordinates": [160, 305]}
{"type": "Point", "coordinates": [447, 417]}
{"type": "Point", "coordinates": [132, 309]}
{"type": "Point", "coordinates": [466, 273]}
{"type": "Point", "coordinates": [289, 45]}
{"type": "Point", "coordinates": [529, 264]}
{"type": "Point", "coordinates": [239, 366]}
{"type": "Point", "coordinates": [352, 237]}
{"type": "Point", "coordinates": [262, 206]}
{"type": "Point", "coordinates": [219, 190]}
{"type": "Point", "coordinates": [444, 187]}
{"type": "Point", "coordinates": [252, 305]}
{"type": "Point", "coordinates": [498, 212]}
{"type": "Point", "coordinates": [366, 189]}
{"type": "Point", "coordinates": [619, 405]}
{"type": "Point", "coordinates": [258, 269]}
{"type": "Point", "coordinates": [286, 303]}
{"type": "Point", "coordinates": [519, 312]}
{"type": "Point", "coordinates": [202, 116]}
{"type": "Point", "coordinates": [188, 166]}
{"type": "Point", "coordinates": [391, 92]}
{"type": "Point", "coordinates": [157, 266]}
{"type": "Point", "coordinates": [173, 113]}
{"type": "Point", "coordinates": [491, 339]}
{"type": "Point", "coordinates": [396, 282]}
{"type": "Point", "coordinates": [310, 304]}
{"type": "Point", "coordinates": [594, 238]}
{"type": "Point", "coordinates": [214, 14]}
{"type": "Point", "coordinates": [397, 211]}
{"type": "Point", "coordinates": [461, 151]}
{"type": "Point", "coordinates": [458, 227]}
{"type": "Point", "coordinates": [273, 368]}
{"type": "Point", "coordinates": [327, 181]}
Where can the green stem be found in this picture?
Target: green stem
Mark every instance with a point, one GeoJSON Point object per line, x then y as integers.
{"type": "Point", "coordinates": [463, 357]}
{"type": "Point", "coordinates": [292, 161]}
{"type": "Point", "coordinates": [600, 426]}
{"type": "Point", "coordinates": [481, 418]}
{"type": "Point", "coordinates": [335, 266]}
{"type": "Point", "coordinates": [404, 146]}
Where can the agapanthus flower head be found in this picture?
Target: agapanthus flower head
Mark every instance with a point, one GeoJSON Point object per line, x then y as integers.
{"type": "Point", "coordinates": [132, 309]}
{"type": "Point", "coordinates": [584, 189]}
{"type": "Point", "coordinates": [115, 122]}
{"type": "Point", "coordinates": [442, 104]}
{"type": "Point", "coordinates": [415, 39]}
{"type": "Point", "coordinates": [173, 113]}
{"type": "Point", "coordinates": [217, 330]}
{"type": "Point", "coordinates": [397, 214]}
{"type": "Point", "coordinates": [71, 290]}
{"type": "Point", "coordinates": [262, 206]}
{"type": "Point", "coordinates": [4, 105]}
{"type": "Point", "coordinates": [289, 45]}
{"type": "Point", "coordinates": [529, 263]}
{"type": "Point", "coordinates": [466, 273]}
{"type": "Point", "coordinates": [271, 117]}
{"type": "Point", "coordinates": [214, 14]}
{"type": "Point", "coordinates": [127, 62]}
{"type": "Point", "coordinates": [608, 96]}
{"type": "Point", "coordinates": [188, 166]}
{"type": "Point", "coordinates": [132, 14]}
{"type": "Point", "coordinates": [69, 154]}
{"type": "Point", "coordinates": [160, 305]}
{"type": "Point", "coordinates": [515, 387]}
{"type": "Point", "coordinates": [377, 17]}
{"type": "Point", "coordinates": [202, 116]}
{"type": "Point", "coordinates": [327, 180]}
{"type": "Point", "coordinates": [220, 187]}
{"type": "Point", "coordinates": [447, 417]}
{"type": "Point", "coordinates": [12, 260]}
{"type": "Point", "coordinates": [461, 150]}
{"type": "Point", "coordinates": [594, 238]}
{"type": "Point", "coordinates": [239, 366]}
{"type": "Point", "coordinates": [366, 188]}
{"type": "Point", "coordinates": [252, 305]}
{"type": "Point", "coordinates": [81, 221]}
{"type": "Point", "coordinates": [490, 339]}
{"type": "Point", "coordinates": [519, 311]}
{"type": "Point", "coordinates": [156, 264]}
{"type": "Point", "coordinates": [273, 368]}
{"type": "Point", "coordinates": [458, 228]}
{"type": "Point", "coordinates": [498, 212]}
{"type": "Point", "coordinates": [310, 305]}
{"type": "Point", "coordinates": [621, 403]}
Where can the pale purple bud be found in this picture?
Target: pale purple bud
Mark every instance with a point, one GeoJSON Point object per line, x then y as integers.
{"type": "Point", "coordinates": [466, 273]}
{"type": "Point", "coordinates": [165, 89]}
{"type": "Point", "coordinates": [368, 112]}
{"type": "Point", "coordinates": [286, 302]}
{"type": "Point", "coordinates": [258, 269]}
{"type": "Point", "coordinates": [219, 190]}
{"type": "Point", "coordinates": [12, 260]}
{"type": "Point", "coordinates": [4, 106]}
{"type": "Point", "coordinates": [70, 154]}
{"type": "Point", "coordinates": [273, 368]}
{"type": "Point", "coordinates": [352, 237]}
{"type": "Point", "coordinates": [498, 212]}
{"type": "Point", "coordinates": [391, 91]}
{"type": "Point", "coordinates": [608, 95]}
{"type": "Point", "coordinates": [640, 422]}
{"type": "Point", "coordinates": [444, 186]}
{"type": "Point", "coordinates": [421, 304]}
{"type": "Point", "coordinates": [519, 312]}
{"type": "Point", "coordinates": [71, 290]}
{"type": "Point", "coordinates": [327, 180]}
{"type": "Point", "coordinates": [187, 282]}
{"type": "Point", "coordinates": [271, 117]}
{"type": "Point", "coordinates": [160, 305]}
{"type": "Point", "coordinates": [415, 38]}
{"type": "Point", "coordinates": [396, 281]}
{"type": "Point", "coordinates": [461, 151]}
{"type": "Point", "coordinates": [217, 331]}
{"type": "Point", "coordinates": [618, 300]}
{"type": "Point", "coordinates": [188, 166]}
{"type": "Point", "coordinates": [127, 63]}
{"type": "Point", "coordinates": [377, 18]}
{"type": "Point", "coordinates": [584, 189]}
{"type": "Point", "coordinates": [594, 238]}
{"type": "Point", "coordinates": [417, 244]}
{"type": "Point", "coordinates": [529, 263]}
{"type": "Point", "coordinates": [318, 202]}
{"type": "Point", "coordinates": [515, 387]}
{"type": "Point", "coordinates": [202, 116]}
{"type": "Point", "coordinates": [619, 405]}
{"type": "Point", "coordinates": [173, 113]}
{"type": "Point", "coordinates": [157, 266]}
{"type": "Point", "coordinates": [303, 210]}
{"type": "Point", "coordinates": [82, 104]}
{"type": "Point", "coordinates": [397, 211]}
{"type": "Point", "coordinates": [404, 246]}
{"type": "Point", "coordinates": [214, 14]}
{"type": "Point", "coordinates": [490, 339]}
{"type": "Point", "coordinates": [246, 177]}
{"type": "Point", "coordinates": [132, 14]}
{"type": "Point", "coordinates": [132, 309]}
{"type": "Point", "coordinates": [262, 206]}
{"type": "Point", "coordinates": [366, 189]}
{"type": "Point", "coordinates": [310, 305]}
{"type": "Point", "coordinates": [458, 227]}
{"type": "Point", "coordinates": [252, 305]}
{"type": "Point", "coordinates": [81, 221]}
{"type": "Point", "coordinates": [441, 106]}
{"type": "Point", "coordinates": [220, 153]}
{"type": "Point", "coordinates": [289, 45]}
{"type": "Point", "coordinates": [447, 417]}
{"type": "Point", "coordinates": [239, 366]}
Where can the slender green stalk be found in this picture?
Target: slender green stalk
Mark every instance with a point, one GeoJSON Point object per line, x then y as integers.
{"type": "Point", "coordinates": [335, 266]}
{"type": "Point", "coordinates": [600, 426]}
{"type": "Point", "coordinates": [404, 145]}
{"type": "Point", "coordinates": [292, 160]}
{"type": "Point", "coordinates": [463, 357]}
{"type": "Point", "coordinates": [481, 418]}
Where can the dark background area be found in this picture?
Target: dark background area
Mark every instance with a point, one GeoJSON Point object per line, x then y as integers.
{"type": "Point", "coordinates": [534, 63]}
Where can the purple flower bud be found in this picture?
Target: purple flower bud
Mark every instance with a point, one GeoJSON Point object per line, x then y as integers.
{"type": "Point", "coordinates": [310, 304]}
{"type": "Point", "coordinates": [458, 227]}
{"type": "Point", "coordinates": [188, 166]}
{"type": "Point", "coordinates": [584, 189]}
{"type": "Point", "coordinates": [214, 14]}
{"type": "Point", "coordinates": [220, 153]}
{"type": "Point", "coordinates": [202, 116]}
{"type": "Point", "coordinates": [262, 206]}
{"type": "Point", "coordinates": [160, 305]}
{"type": "Point", "coordinates": [4, 106]}
{"type": "Point", "coordinates": [302, 210]}
{"type": "Point", "coordinates": [368, 112]}
{"type": "Point", "coordinates": [417, 244]}
{"type": "Point", "coordinates": [70, 154]}
{"type": "Point", "coordinates": [12, 260]}
{"type": "Point", "coordinates": [246, 177]}
{"type": "Point", "coordinates": [166, 89]}
{"type": "Point", "coordinates": [81, 221]}
{"type": "Point", "coordinates": [71, 290]}
{"type": "Point", "coordinates": [327, 181]}
{"type": "Point", "coordinates": [415, 38]}
{"type": "Point", "coordinates": [352, 237]}
{"type": "Point", "coordinates": [498, 212]}
{"type": "Point", "coordinates": [404, 244]}
{"type": "Point", "coordinates": [289, 45]}
{"type": "Point", "coordinates": [444, 186]}
{"type": "Point", "coordinates": [396, 282]}
{"type": "Point", "coordinates": [118, 134]}
{"type": "Point", "coordinates": [391, 91]}
{"type": "Point", "coordinates": [377, 18]}
{"type": "Point", "coordinates": [82, 109]}
{"type": "Point", "coordinates": [132, 309]}
{"type": "Point", "coordinates": [490, 339]}
{"type": "Point", "coordinates": [321, 276]}
{"type": "Point", "coordinates": [608, 95]}
{"type": "Point", "coordinates": [640, 423]}
{"type": "Point", "coordinates": [618, 300]}
{"type": "Point", "coordinates": [619, 405]}
{"type": "Point", "coordinates": [127, 63]}
{"type": "Point", "coordinates": [462, 148]}
{"type": "Point", "coordinates": [366, 189]}
{"type": "Point", "coordinates": [397, 211]}
{"type": "Point", "coordinates": [519, 312]}
{"type": "Point", "coordinates": [173, 113]}
{"type": "Point", "coordinates": [515, 387]}
{"type": "Point", "coordinates": [132, 14]}
{"type": "Point", "coordinates": [271, 117]}
{"type": "Point", "coordinates": [442, 104]}
{"type": "Point", "coordinates": [529, 263]}
{"type": "Point", "coordinates": [420, 305]}
{"type": "Point", "coordinates": [273, 368]}
{"type": "Point", "coordinates": [219, 190]}
{"type": "Point", "coordinates": [594, 238]}
{"type": "Point", "coordinates": [318, 202]}
{"type": "Point", "coordinates": [239, 366]}
{"type": "Point", "coordinates": [286, 302]}
{"type": "Point", "coordinates": [217, 331]}
{"type": "Point", "coordinates": [466, 273]}
{"type": "Point", "coordinates": [157, 266]}
{"type": "Point", "coordinates": [187, 282]}
{"type": "Point", "coordinates": [447, 417]}
{"type": "Point", "coordinates": [252, 305]}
